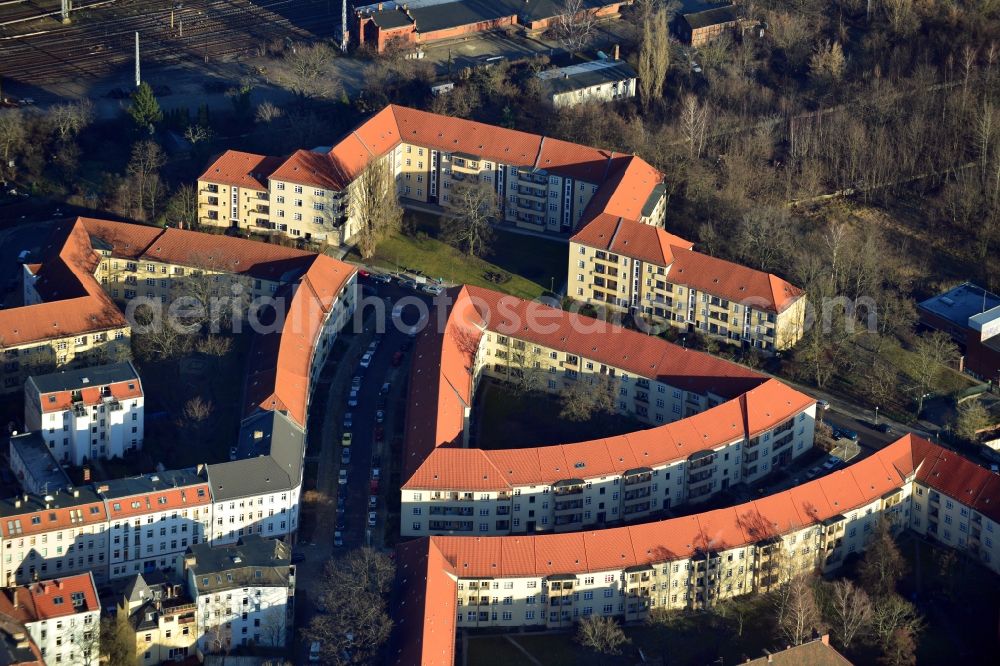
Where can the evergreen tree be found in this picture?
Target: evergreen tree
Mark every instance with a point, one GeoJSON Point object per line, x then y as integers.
{"type": "Point", "coordinates": [145, 110]}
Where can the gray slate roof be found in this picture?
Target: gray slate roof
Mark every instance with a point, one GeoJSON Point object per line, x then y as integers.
{"type": "Point", "coordinates": [587, 75]}
{"type": "Point", "coordinates": [99, 375]}
{"type": "Point", "coordinates": [703, 19]}
{"type": "Point", "coordinates": [253, 560]}
{"type": "Point", "coordinates": [270, 453]}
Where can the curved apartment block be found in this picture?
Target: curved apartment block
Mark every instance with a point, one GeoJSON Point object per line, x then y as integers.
{"type": "Point", "coordinates": [713, 424]}
{"type": "Point", "coordinates": [553, 580]}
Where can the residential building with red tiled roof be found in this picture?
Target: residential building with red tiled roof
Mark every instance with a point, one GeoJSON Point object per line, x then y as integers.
{"type": "Point", "coordinates": [67, 320]}
{"type": "Point", "coordinates": [624, 266]}
{"type": "Point", "coordinates": [541, 183]}
{"type": "Point", "coordinates": [62, 616]}
{"type": "Point", "coordinates": [690, 562]}
{"type": "Point", "coordinates": [817, 652]}
{"type": "Point", "coordinates": [87, 413]}
{"type": "Point", "coordinates": [16, 646]}
{"type": "Point", "coordinates": [235, 185]}
{"type": "Point", "coordinates": [711, 423]}
{"type": "Point", "coordinates": [72, 520]}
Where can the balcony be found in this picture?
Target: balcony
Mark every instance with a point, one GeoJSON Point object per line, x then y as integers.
{"type": "Point", "coordinates": [569, 506]}
{"type": "Point", "coordinates": [632, 478]}
{"type": "Point", "coordinates": [529, 177]}
{"type": "Point", "coordinates": [567, 487]}
{"type": "Point", "coordinates": [704, 461]}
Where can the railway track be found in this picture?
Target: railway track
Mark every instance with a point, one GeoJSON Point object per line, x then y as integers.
{"type": "Point", "coordinates": [102, 41]}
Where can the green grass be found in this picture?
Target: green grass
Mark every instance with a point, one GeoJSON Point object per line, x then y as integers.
{"type": "Point", "coordinates": [536, 265]}
{"type": "Point", "coordinates": [493, 651]}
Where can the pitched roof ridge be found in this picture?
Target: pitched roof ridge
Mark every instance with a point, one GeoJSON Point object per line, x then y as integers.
{"type": "Point", "coordinates": [614, 234]}
{"type": "Point", "coordinates": [541, 147]}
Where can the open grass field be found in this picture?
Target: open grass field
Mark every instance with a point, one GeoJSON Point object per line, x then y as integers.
{"type": "Point", "coordinates": [535, 265]}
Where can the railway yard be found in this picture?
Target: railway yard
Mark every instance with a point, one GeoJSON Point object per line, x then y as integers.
{"type": "Point", "coordinates": [96, 49]}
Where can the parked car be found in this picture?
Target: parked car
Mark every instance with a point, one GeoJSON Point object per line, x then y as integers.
{"type": "Point", "coordinates": [363, 273]}
{"type": "Point", "coordinates": [385, 388]}
{"type": "Point", "coordinates": [372, 501]}
{"type": "Point", "coordinates": [842, 433]}
{"type": "Point", "coordinates": [379, 416]}
{"type": "Point", "coordinates": [232, 453]}
{"type": "Point", "coordinates": [342, 478]}
{"type": "Point", "coordinates": [995, 468]}
{"type": "Point", "coordinates": [315, 650]}
{"type": "Point", "coordinates": [373, 345]}
{"type": "Point", "coordinates": [832, 462]}
{"type": "Point", "coordinates": [24, 256]}
{"type": "Point", "coordinates": [371, 518]}
{"type": "Point", "coordinates": [823, 404]}
{"type": "Point", "coordinates": [376, 461]}
{"type": "Point", "coordinates": [345, 456]}
{"type": "Point", "coordinates": [348, 420]}
{"type": "Point", "coordinates": [338, 539]}
{"type": "Point", "coordinates": [813, 472]}
{"type": "Point", "coordinates": [356, 382]}
{"type": "Point", "coordinates": [366, 360]}
{"type": "Point", "coordinates": [381, 277]}
{"type": "Point", "coordinates": [432, 289]}
{"type": "Point", "coordinates": [885, 427]}
{"type": "Point", "coordinates": [373, 486]}
{"type": "Point", "coordinates": [397, 359]}
{"type": "Point", "coordinates": [346, 439]}
{"type": "Point", "coordinates": [352, 399]}
{"type": "Point", "coordinates": [376, 473]}
{"type": "Point", "coordinates": [379, 433]}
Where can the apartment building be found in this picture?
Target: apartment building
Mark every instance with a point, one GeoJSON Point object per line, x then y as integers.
{"type": "Point", "coordinates": [715, 424]}
{"type": "Point", "coordinates": [58, 534]}
{"type": "Point", "coordinates": [258, 494]}
{"type": "Point", "coordinates": [541, 183]}
{"type": "Point", "coordinates": [162, 615]}
{"type": "Point", "coordinates": [67, 321]}
{"type": "Point", "coordinates": [244, 593]}
{"type": "Point", "coordinates": [235, 192]}
{"type": "Point", "coordinates": [87, 413]}
{"type": "Point", "coordinates": [638, 269]}
{"type": "Point", "coordinates": [691, 562]}
{"type": "Point", "coordinates": [62, 617]}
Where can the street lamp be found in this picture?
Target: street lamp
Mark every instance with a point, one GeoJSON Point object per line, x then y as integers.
{"type": "Point", "coordinates": [876, 414]}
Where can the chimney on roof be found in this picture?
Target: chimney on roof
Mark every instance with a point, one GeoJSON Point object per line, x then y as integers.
{"type": "Point", "coordinates": [616, 52]}
{"type": "Point", "coordinates": [103, 488]}
{"type": "Point", "coordinates": [380, 6]}
{"type": "Point", "coordinates": [14, 599]}
{"type": "Point", "coordinates": [86, 473]}
{"type": "Point", "coordinates": [59, 583]}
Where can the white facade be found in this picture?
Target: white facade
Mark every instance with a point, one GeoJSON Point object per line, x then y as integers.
{"type": "Point", "coordinates": [73, 640]}
{"type": "Point", "coordinates": [271, 515]}
{"type": "Point", "coordinates": [241, 616]}
{"type": "Point", "coordinates": [88, 432]}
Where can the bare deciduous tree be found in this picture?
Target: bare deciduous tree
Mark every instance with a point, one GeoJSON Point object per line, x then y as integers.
{"type": "Point", "coordinates": [852, 611]}
{"type": "Point", "coordinates": [574, 26]}
{"type": "Point", "coordinates": [882, 565]}
{"type": "Point", "coordinates": [355, 593]}
{"type": "Point", "coordinates": [972, 419]}
{"type": "Point", "coordinates": [801, 616]}
{"type": "Point", "coordinates": [588, 396]}
{"type": "Point", "coordinates": [70, 119]}
{"type": "Point", "coordinates": [12, 137]}
{"type": "Point", "coordinates": [307, 71]}
{"type": "Point", "coordinates": [374, 205]}
{"type": "Point", "coordinates": [469, 228]}
{"type": "Point", "coordinates": [268, 112]}
{"type": "Point", "coordinates": [694, 124]}
{"type": "Point", "coordinates": [601, 634]}
{"type": "Point", "coordinates": [182, 207]}
{"type": "Point", "coordinates": [931, 354]}
{"type": "Point", "coordinates": [891, 613]}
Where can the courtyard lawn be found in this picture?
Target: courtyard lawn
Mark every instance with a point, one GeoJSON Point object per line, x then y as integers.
{"type": "Point", "coordinates": [535, 265]}
{"type": "Point", "coordinates": [505, 419]}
